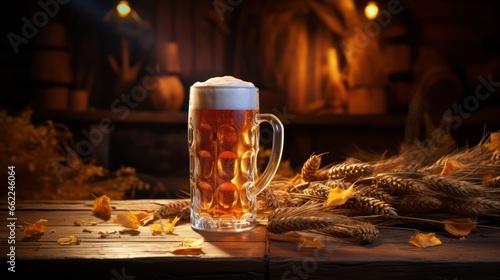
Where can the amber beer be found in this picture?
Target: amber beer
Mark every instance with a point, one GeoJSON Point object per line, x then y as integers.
{"type": "Point", "coordinates": [223, 146]}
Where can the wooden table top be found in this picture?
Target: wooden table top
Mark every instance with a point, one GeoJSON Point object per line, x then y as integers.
{"type": "Point", "coordinates": [246, 255]}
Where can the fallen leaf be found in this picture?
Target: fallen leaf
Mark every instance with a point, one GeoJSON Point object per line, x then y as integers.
{"type": "Point", "coordinates": [422, 240]}
{"type": "Point", "coordinates": [68, 240]}
{"type": "Point", "coordinates": [188, 244]}
{"type": "Point", "coordinates": [144, 217]}
{"type": "Point", "coordinates": [128, 220]}
{"type": "Point", "coordinates": [101, 207]}
{"type": "Point", "coordinates": [494, 141]}
{"type": "Point", "coordinates": [338, 196]}
{"type": "Point", "coordinates": [37, 228]}
{"type": "Point", "coordinates": [460, 226]}
{"type": "Point", "coordinates": [451, 165]}
{"type": "Point", "coordinates": [156, 228]}
{"type": "Point", "coordinates": [160, 228]}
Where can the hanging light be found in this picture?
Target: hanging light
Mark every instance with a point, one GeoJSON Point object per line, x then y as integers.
{"type": "Point", "coordinates": [371, 10]}
{"type": "Point", "coordinates": [123, 8]}
{"type": "Point", "coordinates": [122, 12]}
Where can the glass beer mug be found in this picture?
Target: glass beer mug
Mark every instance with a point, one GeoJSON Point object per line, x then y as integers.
{"type": "Point", "coordinates": [223, 139]}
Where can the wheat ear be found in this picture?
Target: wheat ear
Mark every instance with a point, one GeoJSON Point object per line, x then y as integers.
{"type": "Point", "coordinates": [351, 171]}
{"type": "Point", "coordinates": [418, 203]}
{"type": "Point", "coordinates": [172, 208]}
{"type": "Point", "coordinates": [310, 167]}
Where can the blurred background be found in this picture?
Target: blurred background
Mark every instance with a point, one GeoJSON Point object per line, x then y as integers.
{"type": "Point", "coordinates": [109, 81]}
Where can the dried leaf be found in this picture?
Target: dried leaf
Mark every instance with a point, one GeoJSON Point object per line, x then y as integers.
{"type": "Point", "coordinates": [188, 244]}
{"type": "Point", "coordinates": [128, 220]}
{"type": "Point", "coordinates": [70, 240]}
{"type": "Point", "coordinates": [460, 226]}
{"type": "Point", "coordinates": [451, 165]}
{"type": "Point", "coordinates": [160, 228]}
{"type": "Point", "coordinates": [422, 240]}
{"type": "Point", "coordinates": [144, 217]}
{"type": "Point", "coordinates": [338, 196]}
{"type": "Point", "coordinates": [35, 229]}
{"type": "Point", "coordinates": [101, 207]}
{"type": "Point", "coordinates": [494, 141]}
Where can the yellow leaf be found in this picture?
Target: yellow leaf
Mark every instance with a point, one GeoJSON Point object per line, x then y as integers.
{"type": "Point", "coordinates": [156, 228]}
{"type": "Point", "coordinates": [37, 228]}
{"type": "Point", "coordinates": [451, 165]}
{"type": "Point", "coordinates": [338, 196]}
{"type": "Point", "coordinates": [144, 217]}
{"type": "Point", "coordinates": [159, 228]}
{"type": "Point", "coordinates": [425, 240]}
{"type": "Point", "coordinates": [460, 226]}
{"type": "Point", "coordinates": [494, 141]}
{"type": "Point", "coordinates": [128, 220]}
{"type": "Point", "coordinates": [171, 226]}
{"type": "Point", "coordinates": [68, 240]}
{"type": "Point", "coordinates": [188, 244]}
{"type": "Point", "coordinates": [101, 207]}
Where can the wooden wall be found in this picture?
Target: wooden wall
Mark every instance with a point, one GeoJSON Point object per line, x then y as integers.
{"type": "Point", "coordinates": [466, 33]}
{"type": "Point", "coordinates": [204, 42]}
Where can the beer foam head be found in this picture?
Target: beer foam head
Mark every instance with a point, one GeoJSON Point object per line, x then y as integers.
{"type": "Point", "coordinates": [224, 93]}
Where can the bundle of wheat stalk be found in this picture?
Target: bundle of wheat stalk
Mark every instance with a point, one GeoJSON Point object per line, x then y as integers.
{"type": "Point", "coordinates": [412, 189]}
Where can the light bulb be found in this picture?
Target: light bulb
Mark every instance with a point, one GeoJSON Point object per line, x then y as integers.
{"type": "Point", "coordinates": [123, 8]}
{"type": "Point", "coordinates": [371, 10]}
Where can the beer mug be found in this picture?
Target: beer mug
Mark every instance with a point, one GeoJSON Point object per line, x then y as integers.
{"type": "Point", "coordinates": [223, 139]}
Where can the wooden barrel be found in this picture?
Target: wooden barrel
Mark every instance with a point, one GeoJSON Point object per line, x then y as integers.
{"type": "Point", "coordinates": [50, 73]}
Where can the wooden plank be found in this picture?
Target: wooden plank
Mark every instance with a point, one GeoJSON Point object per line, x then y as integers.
{"type": "Point", "coordinates": [456, 32]}
{"type": "Point", "coordinates": [245, 254]}
{"type": "Point", "coordinates": [449, 10]}
{"type": "Point", "coordinates": [124, 250]}
{"type": "Point", "coordinates": [201, 32]}
{"type": "Point", "coordinates": [183, 37]}
{"type": "Point", "coordinates": [95, 116]}
{"type": "Point", "coordinates": [85, 226]}
{"type": "Point", "coordinates": [78, 205]}
{"type": "Point", "coordinates": [389, 256]}
{"type": "Point", "coordinates": [163, 22]}
{"type": "Point", "coordinates": [188, 267]}
{"type": "Point", "coordinates": [219, 52]}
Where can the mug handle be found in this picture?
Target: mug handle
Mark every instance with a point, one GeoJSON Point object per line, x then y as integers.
{"type": "Point", "coordinates": [275, 158]}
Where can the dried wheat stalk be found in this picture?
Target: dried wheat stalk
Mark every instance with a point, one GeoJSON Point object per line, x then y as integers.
{"type": "Point", "coordinates": [350, 172]}
{"type": "Point", "coordinates": [310, 167]}
{"type": "Point", "coordinates": [363, 232]}
{"type": "Point", "coordinates": [317, 189]}
{"type": "Point", "coordinates": [418, 204]}
{"type": "Point", "coordinates": [336, 183]}
{"type": "Point", "coordinates": [373, 191]}
{"type": "Point", "coordinates": [298, 223]}
{"type": "Point", "coordinates": [394, 183]}
{"type": "Point", "coordinates": [174, 207]}
{"type": "Point", "coordinates": [272, 201]}
{"type": "Point", "coordinates": [495, 157]}
{"type": "Point", "coordinates": [371, 205]}
{"type": "Point", "coordinates": [447, 185]}
{"type": "Point", "coordinates": [493, 182]}
{"type": "Point", "coordinates": [476, 206]}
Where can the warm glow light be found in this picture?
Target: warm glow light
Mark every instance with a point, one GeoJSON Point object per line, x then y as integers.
{"type": "Point", "coordinates": [123, 8]}
{"type": "Point", "coordinates": [371, 10]}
